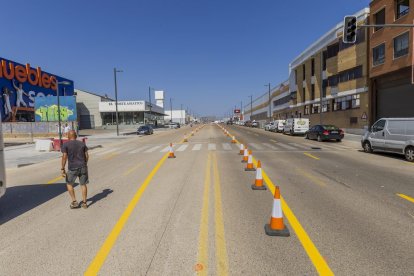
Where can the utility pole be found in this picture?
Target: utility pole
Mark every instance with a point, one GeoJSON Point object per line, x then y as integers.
{"type": "Point", "coordinates": [270, 106]}
{"type": "Point", "coordinates": [116, 101]}
{"type": "Point", "coordinates": [181, 122]}
{"type": "Point", "coordinates": [149, 98]}
{"type": "Point", "coordinates": [321, 91]}
{"type": "Point", "coordinates": [251, 107]}
{"type": "Point", "coordinates": [171, 108]}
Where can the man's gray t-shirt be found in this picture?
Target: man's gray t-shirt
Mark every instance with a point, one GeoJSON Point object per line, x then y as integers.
{"type": "Point", "coordinates": [76, 154]}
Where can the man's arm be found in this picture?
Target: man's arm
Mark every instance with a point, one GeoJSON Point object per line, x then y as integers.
{"type": "Point", "coordinates": [86, 157]}
{"type": "Point", "coordinates": [64, 159]}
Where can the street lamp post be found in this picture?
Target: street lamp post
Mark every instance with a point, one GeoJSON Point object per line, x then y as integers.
{"type": "Point", "coordinates": [171, 109]}
{"type": "Point", "coordinates": [181, 122]}
{"type": "Point", "coordinates": [58, 104]}
{"type": "Point", "coordinates": [251, 107]}
{"type": "Point", "coordinates": [116, 101]}
{"type": "Point", "coordinates": [270, 106]}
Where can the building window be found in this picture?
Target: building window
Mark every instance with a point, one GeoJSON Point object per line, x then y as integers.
{"type": "Point", "coordinates": [333, 50]}
{"type": "Point", "coordinates": [303, 94]}
{"type": "Point", "coordinates": [306, 111]}
{"type": "Point", "coordinates": [312, 92]}
{"type": "Point", "coordinates": [315, 108]}
{"type": "Point", "coordinates": [379, 19]}
{"type": "Point", "coordinates": [336, 104]}
{"type": "Point", "coordinates": [401, 45]}
{"type": "Point", "coordinates": [355, 101]}
{"type": "Point", "coordinates": [378, 55]}
{"type": "Point", "coordinates": [313, 67]}
{"type": "Point", "coordinates": [325, 106]}
{"type": "Point", "coordinates": [296, 76]}
{"type": "Point", "coordinates": [402, 8]}
{"type": "Point", "coordinates": [304, 71]}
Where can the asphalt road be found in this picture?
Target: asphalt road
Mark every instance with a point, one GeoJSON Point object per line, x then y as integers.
{"type": "Point", "coordinates": [150, 215]}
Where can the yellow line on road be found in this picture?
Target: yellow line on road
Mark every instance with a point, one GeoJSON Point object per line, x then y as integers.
{"type": "Point", "coordinates": [406, 197]}
{"type": "Point", "coordinates": [310, 248]}
{"type": "Point", "coordinates": [312, 178]}
{"type": "Point", "coordinates": [202, 260]}
{"type": "Point", "coordinates": [131, 170]}
{"type": "Point", "coordinates": [103, 252]}
{"type": "Point", "coordinates": [311, 156]}
{"type": "Point", "coordinates": [221, 251]}
{"type": "Point", "coordinates": [55, 180]}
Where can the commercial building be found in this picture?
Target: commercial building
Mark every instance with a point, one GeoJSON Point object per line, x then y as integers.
{"type": "Point", "coordinates": [178, 116]}
{"type": "Point", "coordinates": [87, 104]}
{"type": "Point", "coordinates": [341, 71]}
{"type": "Point", "coordinates": [391, 59]}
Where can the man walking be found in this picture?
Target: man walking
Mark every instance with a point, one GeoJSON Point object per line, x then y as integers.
{"type": "Point", "coordinates": [76, 153]}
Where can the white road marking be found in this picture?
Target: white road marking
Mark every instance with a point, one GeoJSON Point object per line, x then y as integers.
{"type": "Point", "coordinates": [299, 146]}
{"type": "Point", "coordinates": [138, 149]}
{"type": "Point", "coordinates": [165, 149]}
{"type": "Point", "coordinates": [255, 146]}
{"type": "Point", "coordinates": [285, 146]}
{"type": "Point", "coordinates": [226, 146]}
{"type": "Point", "coordinates": [107, 151]}
{"type": "Point", "coordinates": [152, 149]}
{"type": "Point", "coordinates": [270, 146]}
{"type": "Point", "coordinates": [197, 147]}
{"type": "Point", "coordinates": [211, 146]}
{"type": "Point", "coordinates": [274, 141]}
{"type": "Point", "coordinates": [182, 148]}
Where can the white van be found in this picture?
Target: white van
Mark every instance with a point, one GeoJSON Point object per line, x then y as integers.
{"type": "Point", "coordinates": [280, 125]}
{"type": "Point", "coordinates": [391, 135]}
{"type": "Point", "coordinates": [296, 126]}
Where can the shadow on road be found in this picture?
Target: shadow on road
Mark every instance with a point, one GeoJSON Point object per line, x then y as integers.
{"type": "Point", "coordinates": [99, 196]}
{"type": "Point", "coordinates": [21, 199]}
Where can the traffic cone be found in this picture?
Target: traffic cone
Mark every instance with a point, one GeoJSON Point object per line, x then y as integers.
{"type": "Point", "coordinates": [233, 140]}
{"type": "Point", "coordinates": [185, 138]}
{"type": "Point", "coordinates": [276, 227]}
{"type": "Point", "coordinates": [192, 133]}
{"type": "Point", "coordinates": [241, 149]}
{"type": "Point", "coordinates": [245, 156]}
{"type": "Point", "coordinates": [171, 153]}
{"type": "Point", "coordinates": [258, 182]}
{"type": "Point", "coordinates": [249, 166]}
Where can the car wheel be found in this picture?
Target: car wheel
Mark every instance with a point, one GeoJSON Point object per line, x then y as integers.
{"type": "Point", "coordinates": [339, 140]}
{"type": "Point", "coordinates": [319, 138]}
{"type": "Point", "coordinates": [367, 147]}
{"type": "Point", "coordinates": [409, 154]}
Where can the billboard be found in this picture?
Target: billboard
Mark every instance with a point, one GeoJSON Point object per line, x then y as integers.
{"type": "Point", "coordinates": [237, 111]}
{"type": "Point", "coordinates": [46, 109]}
{"type": "Point", "coordinates": [21, 84]}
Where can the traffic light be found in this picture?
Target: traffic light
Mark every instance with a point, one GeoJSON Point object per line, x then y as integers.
{"type": "Point", "coordinates": [350, 28]}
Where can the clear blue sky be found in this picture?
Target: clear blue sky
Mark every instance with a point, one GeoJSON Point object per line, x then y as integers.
{"type": "Point", "coordinates": [206, 54]}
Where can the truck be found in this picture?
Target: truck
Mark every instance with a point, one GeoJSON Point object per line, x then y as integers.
{"type": "Point", "coordinates": [295, 126]}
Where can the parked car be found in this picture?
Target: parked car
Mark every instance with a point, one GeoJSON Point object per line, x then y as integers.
{"type": "Point", "coordinates": [394, 135]}
{"type": "Point", "coordinates": [173, 125]}
{"type": "Point", "coordinates": [268, 126]}
{"type": "Point", "coordinates": [248, 123]}
{"type": "Point", "coordinates": [324, 133]}
{"type": "Point", "coordinates": [295, 126]}
{"type": "Point", "coordinates": [145, 130]}
{"type": "Point", "coordinates": [255, 124]}
{"type": "Point", "coordinates": [279, 125]}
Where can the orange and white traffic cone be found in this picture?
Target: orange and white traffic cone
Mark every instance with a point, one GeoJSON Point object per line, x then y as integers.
{"type": "Point", "coordinates": [258, 182]}
{"type": "Point", "coordinates": [192, 133]}
{"type": "Point", "coordinates": [171, 153]}
{"type": "Point", "coordinates": [245, 156]}
{"type": "Point", "coordinates": [233, 140]}
{"type": "Point", "coordinates": [250, 166]}
{"type": "Point", "coordinates": [241, 149]}
{"type": "Point", "coordinates": [185, 138]}
{"type": "Point", "coordinates": [276, 227]}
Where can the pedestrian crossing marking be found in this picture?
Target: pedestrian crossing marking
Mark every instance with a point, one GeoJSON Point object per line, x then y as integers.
{"type": "Point", "coordinates": [270, 146]}
{"type": "Point", "coordinates": [107, 151]}
{"type": "Point", "coordinates": [197, 147]}
{"type": "Point", "coordinates": [182, 148]}
{"type": "Point", "coordinates": [211, 146]}
{"type": "Point", "coordinates": [153, 149]}
{"type": "Point", "coordinates": [286, 146]}
{"type": "Point", "coordinates": [255, 146]}
{"type": "Point", "coordinates": [226, 146]}
{"type": "Point", "coordinates": [165, 149]}
{"type": "Point", "coordinates": [138, 149]}
{"type": "Point", "coordinates": [300, 146]}
{"type": "Point", "coordinates": [274, 141]}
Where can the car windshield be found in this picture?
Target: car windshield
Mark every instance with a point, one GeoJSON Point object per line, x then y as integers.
{"type": "Point", "coordinates": [330, 127]}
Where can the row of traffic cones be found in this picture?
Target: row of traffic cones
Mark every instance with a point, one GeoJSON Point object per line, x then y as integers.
{"type": "Point", "coordinates": [276, 226]}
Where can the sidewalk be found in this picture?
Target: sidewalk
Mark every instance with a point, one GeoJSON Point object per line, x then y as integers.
{"type": "Point", "coordinates": [25, 154]}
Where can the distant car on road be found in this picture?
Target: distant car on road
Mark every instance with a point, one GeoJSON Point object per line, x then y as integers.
{"type": "Point", "coordinates": [324, 133]}
{"type": "Point", "coordinates": [145, 130]}
{"type": "Point", "coordinates": [173, 125]}
{"type": "Point", "coordinates": [394, 135]}
{"type": "Point", "coordinates": [294, 126]}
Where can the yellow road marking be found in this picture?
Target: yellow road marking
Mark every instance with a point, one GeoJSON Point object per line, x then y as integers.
{"type": "Point", "coordinates": [221, 251]}
{"type": "Point", "coordinates": [103, 252]}
{"type": "Point", "coordinates": [311, 156]}
{"type": "Point", "coordinates": [55, 180]}
{"type": "Point", "coordinates": [310, 248]}
{"type": "Point", "coordinates": [312, 178]}
{"type": "Point", "coordinates": [203, 238]}
{"type": "Point", "coordinates": [406, 197]}
{"type": "Point", "coordinates": [110, 156]}
{"type": "Point", "coordinates": [131, 170]}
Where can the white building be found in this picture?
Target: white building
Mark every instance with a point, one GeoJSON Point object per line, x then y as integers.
{"type": "Point", "coordinates": [178, 116]}
{"type": "Point", "coordinates": [87, 105]}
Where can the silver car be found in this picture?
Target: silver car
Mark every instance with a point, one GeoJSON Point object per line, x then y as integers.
{"type": "Point", "coordinates": [395, 135]}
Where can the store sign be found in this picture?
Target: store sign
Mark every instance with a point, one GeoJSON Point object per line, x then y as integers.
{"type": "Point", "coordinates": [47, 109]}
{"type": "Point", "coordinates": [237, 111]}
{"type": "Point", "coordinates": [123, 106]}
{"type": "Point", "coordinates": [21, 84]}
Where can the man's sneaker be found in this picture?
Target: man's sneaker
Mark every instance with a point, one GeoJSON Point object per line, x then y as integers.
{"type": "Point", "coordinates": [84, 205]}
{"type": "Point", "coordinates": [74, 205]}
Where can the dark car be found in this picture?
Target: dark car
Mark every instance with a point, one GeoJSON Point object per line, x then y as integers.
{"type": "Point", "coordinates": [145, 130]}
{"type": "Point", "coordinates": [325, 132]}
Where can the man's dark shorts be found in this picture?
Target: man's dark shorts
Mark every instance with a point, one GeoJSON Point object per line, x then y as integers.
{"type": "Point", "coordinates": [82, 173]}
